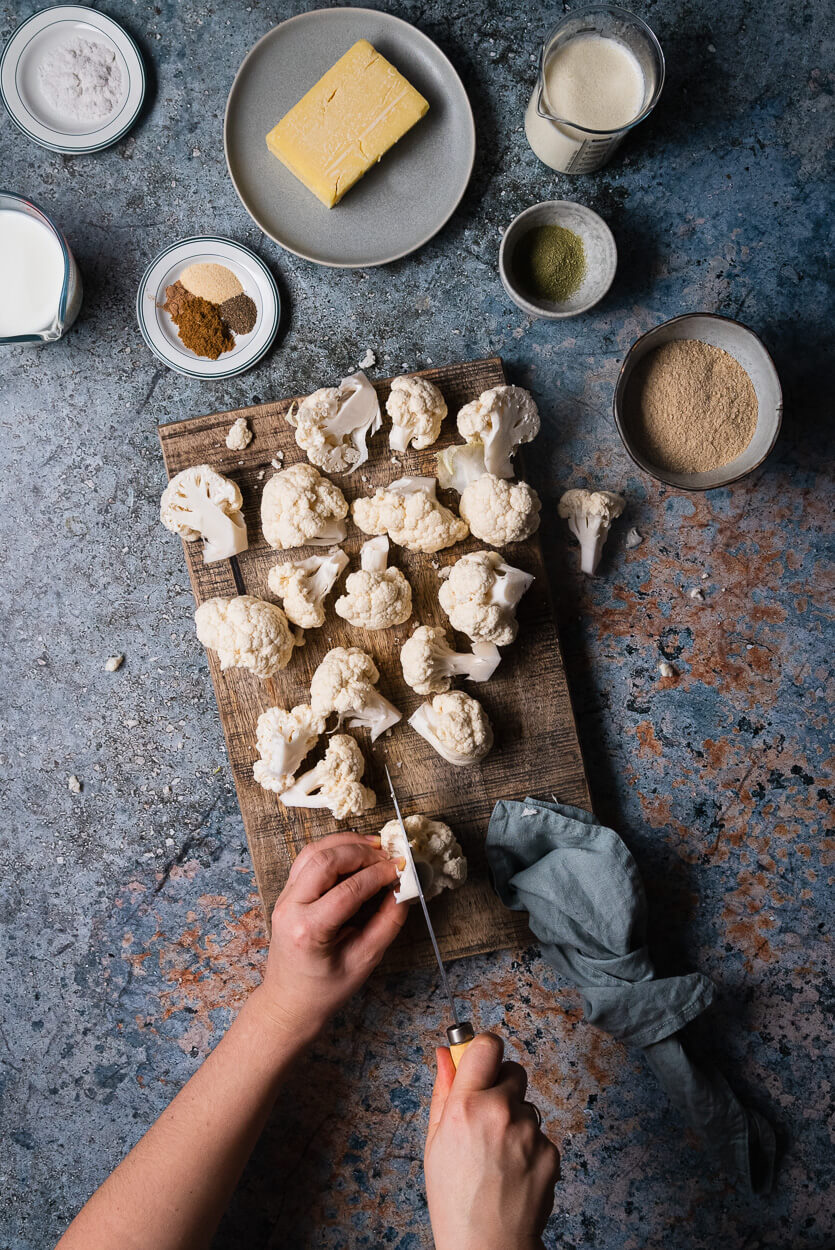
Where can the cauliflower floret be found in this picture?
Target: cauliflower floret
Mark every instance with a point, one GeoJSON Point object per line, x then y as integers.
{"type": "Point", "coordinates": [303, 586]}
{"type": "Point", "coordinates": [480, 596]}
{"type": "Point", "coordinates": [201, 503]}
{"type": "Point", "coordinates": [429, 663]}
{"type": "Point", "coordinates": [456, 725]}
{"type": "Point", "coordinates": [437, 853]}
{"type": "Point", "coordinates": [417, 409]}
{"type": "Point", "coordinates": [239, 435]}
{"type": "Point", "coordinates": [375, 597]}
{"type": "Point", "coordinates": [300, 507]}
{"type": "Point", "coordinates": [589, 514]}
{"type": "Point", "coordinates": [334, 782]}
{"type": "Point", "coordinates": [408, 511]}
{"type": "Point", "coordinates": [500, 512]}
{"type": "Point", "coordinates": [344, 683]}
{"type": "Point", "coordinates": [459, 464]}
{"type": "Point", "coordinates": [500, 419]}
{"type": "Point", "coordinates": [283, 740]}
{"type": "Point", "coordinates": [333, 423]}
{"type": "Point", "coordinates": [246, 633]}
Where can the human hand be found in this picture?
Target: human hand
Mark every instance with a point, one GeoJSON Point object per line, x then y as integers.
{"type": "Point", "coordinates": [321, 951]}
{"type": "Point", "coordinates": [490, 1172]}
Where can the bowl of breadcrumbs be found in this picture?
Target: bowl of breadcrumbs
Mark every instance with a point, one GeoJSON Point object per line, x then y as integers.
{"type": "Point", "coordinates": [698, 402]}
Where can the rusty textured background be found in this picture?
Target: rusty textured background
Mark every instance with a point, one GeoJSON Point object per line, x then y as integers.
{"type": "Point", "coordinates": [129, 927]}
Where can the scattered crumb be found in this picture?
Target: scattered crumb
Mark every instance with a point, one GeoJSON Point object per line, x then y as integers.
{"type": "Point", "coordinates": [277, 461]}
{"type": "Point", "coordinates": [114, 662]}
{"type": "Point", "coordinates": [435, 564]}
{"type": "Point", "coordinates": [59, 859]}
{"type": "Point", "coordinates": [634, 538]}
{"type": "Point", "coordinates": [705, 576]}
{"type": "Point", "coordinates": [169, 841]}
{"type": "Point", "coordinates": [369, 360]}
{"type": "Point", "coordinates": [73, 784]}
{"type": "Point", "coordinates": [444, 573]}
{"type": "Point", "coordinates": [696, 592]}
{"type": "Point", "coordinates": [528, 811]}
{"type": "Point", "coordinates": [666, 669]}
{"type": "Point", "coordinates": [260, 474]}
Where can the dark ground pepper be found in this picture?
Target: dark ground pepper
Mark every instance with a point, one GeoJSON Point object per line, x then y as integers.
{"type": "Point", "coordinates": [201, 328]}
{"type": "Point", "coordinates": [239, 313]}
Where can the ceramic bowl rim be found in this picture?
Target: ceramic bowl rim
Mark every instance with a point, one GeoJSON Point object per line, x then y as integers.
{"type": "Point", "coordinates": [626, 369]}
{"type": "Point", "coordinates": [540, 310]}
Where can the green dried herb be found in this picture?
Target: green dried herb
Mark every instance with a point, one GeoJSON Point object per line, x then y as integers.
{"type": "Point", "coordinates": [551, 263]}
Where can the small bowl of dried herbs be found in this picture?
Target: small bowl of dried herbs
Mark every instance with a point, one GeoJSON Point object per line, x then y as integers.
{"type": "Point", "coordinates": [557, 259]}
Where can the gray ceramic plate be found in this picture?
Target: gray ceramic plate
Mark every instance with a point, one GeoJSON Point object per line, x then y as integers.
{"type": "Point", "coordinates": [399, 204]}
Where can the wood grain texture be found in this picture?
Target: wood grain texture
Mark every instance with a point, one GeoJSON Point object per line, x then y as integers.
{"type": "Point", "coordinates": [536, 750]}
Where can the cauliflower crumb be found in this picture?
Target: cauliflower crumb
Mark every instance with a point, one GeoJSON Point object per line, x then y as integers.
{"type": "Point", "coordinates": [666, 669]}
{"type": "Point", "coordinates": [634, 538]}
{"type": "Point", "coordinates": [277, 461]}
{"type": "Point", "coordinates": [369, 360]}
{"type": "Point", "coordinates": [528, 811]}
{"type": "Point", "coordinates": [239, 435]}
{"type": "Point", "coordinates": [114, 662]}
{"type": "Point", "coordinates": [261, 474]}
{"type": "Point", "coordinates": [73, 784]}
{"type": "Point", "coordinates": [696, 592]}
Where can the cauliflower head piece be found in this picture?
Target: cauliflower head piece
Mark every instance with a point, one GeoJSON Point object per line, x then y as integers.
{"type": "Point", "coordinates": [408, 511]}
{"type": "Point", "coordinates": [303, 586]}
{"type": "Point", "coordinates": [201, 503]}
{"type": "Point", "coordinates": [456, 725]}
{"type": "Point", "coordinates": [417, 410]}
{"type": "Point", "coordinates": [590, 514]}
{"type": "Point", "coordinates": [333, 424]}
{"type": "Point", "coordinates": [300, 507]}
{"type": "Point", "coordinates": [500, 512]}
{"type": "Point", "coordinates": [500, 419]}
{"type": "Point", "coordinates": [246, 633]}
{"type": "Point", "coordinates": [376, 597]}
{"type": "Point", "coordinates": [283, 740]}
{"type": "Point", "coordinates": [344, 683]}
{"type": "Point", "coordinates": [334, 783]}
{"type": "Point", "coordinates": [439, 859]}
{"type": "Point", "coordinates": [429, 662]}
{"type": "Point", "coordinates": [480, 596]}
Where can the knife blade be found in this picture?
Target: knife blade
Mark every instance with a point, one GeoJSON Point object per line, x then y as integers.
{"type": "Point", "coordinates": [460, 1033]}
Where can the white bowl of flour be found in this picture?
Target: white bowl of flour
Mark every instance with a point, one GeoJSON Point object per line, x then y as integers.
{"type": "Point", "coordinates": [72, 79]}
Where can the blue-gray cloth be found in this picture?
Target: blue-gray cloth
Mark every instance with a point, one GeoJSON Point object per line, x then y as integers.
{"type": "Point", "coordinates": [584, 896]}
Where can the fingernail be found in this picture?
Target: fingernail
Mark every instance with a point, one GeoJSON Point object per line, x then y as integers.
{"type": "Point", "coordinates": [401, 865]}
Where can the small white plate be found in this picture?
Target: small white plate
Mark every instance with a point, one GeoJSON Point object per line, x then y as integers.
{"type": "Point", "coordinates": [23, 95]}
{"type": "Point", "coordinates": [160, 332]}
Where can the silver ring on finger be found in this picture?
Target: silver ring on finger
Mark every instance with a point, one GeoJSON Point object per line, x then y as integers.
{"type": "Point", "coordinates": [535, 1110]}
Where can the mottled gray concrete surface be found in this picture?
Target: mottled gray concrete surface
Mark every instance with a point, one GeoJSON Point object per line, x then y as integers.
{"type": "Point", "coordinates": [130, 930]}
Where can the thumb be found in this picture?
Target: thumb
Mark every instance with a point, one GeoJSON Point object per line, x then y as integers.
{"type": "Point", "coordinates": [479, 1064]}
{"type": "Point", "coordinates": [443, 1084]}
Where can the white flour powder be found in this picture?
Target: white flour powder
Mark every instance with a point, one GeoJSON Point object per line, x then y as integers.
{"type": "Point", "coordinates": [81, 80]}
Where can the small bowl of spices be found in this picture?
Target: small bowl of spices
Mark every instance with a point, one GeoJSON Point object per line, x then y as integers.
{"type": "Point", "coordinates": [208, 307]}
{"type": "Point", "coordinates": [557, 259]}
{"type": "Point", "coordinates": [698, 402]}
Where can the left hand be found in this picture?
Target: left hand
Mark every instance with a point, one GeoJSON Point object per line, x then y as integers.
{"type": "Point", "coordinates": [320, 952]}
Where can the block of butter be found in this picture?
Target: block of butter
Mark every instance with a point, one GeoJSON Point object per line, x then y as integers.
{"type": "Point", "coordinates": [344, 124]}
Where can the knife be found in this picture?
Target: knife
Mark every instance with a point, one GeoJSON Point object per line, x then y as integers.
{"type": "Point", "coordinates": [460, 1032]}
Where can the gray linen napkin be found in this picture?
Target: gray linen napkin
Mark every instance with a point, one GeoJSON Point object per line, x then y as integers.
{"type": "Point", "coordinates": [584, 896]}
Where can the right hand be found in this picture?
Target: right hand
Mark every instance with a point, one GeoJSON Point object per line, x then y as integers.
{"type": "Point", "coordinates": [490, 1172]}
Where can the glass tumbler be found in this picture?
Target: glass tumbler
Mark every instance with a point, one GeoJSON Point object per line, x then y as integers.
{"type": "Point", "coordinates": [68, 298]}
{"type": "Point", "coordinates": [561, 142]}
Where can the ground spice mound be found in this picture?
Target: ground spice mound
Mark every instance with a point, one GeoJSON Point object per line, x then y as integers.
{"type": "Point", "coordinates": [691, 407]}
{"type": "Point", "coordinates": [239, 313]}
{"type": "Point", "coordinates": [201, 328]}
{"type": "Point", "coordinates": [176, 297]}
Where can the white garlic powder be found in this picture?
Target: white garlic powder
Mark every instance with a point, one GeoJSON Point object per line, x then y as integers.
{"type": "Point", "coordinates": [81, 80]}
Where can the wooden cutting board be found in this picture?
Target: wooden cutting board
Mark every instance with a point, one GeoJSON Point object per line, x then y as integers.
{"type": "Point", "coordinates": [536, 750]}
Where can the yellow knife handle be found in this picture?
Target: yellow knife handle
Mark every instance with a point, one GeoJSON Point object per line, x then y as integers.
{"type": "Point", "coordinates": [460, 1036]}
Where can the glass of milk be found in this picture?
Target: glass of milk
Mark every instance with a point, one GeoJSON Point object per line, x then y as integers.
{"type": "Point", "coordinates": [40, 287]}
{"type": "Point", "coordinates": [601, 71]}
